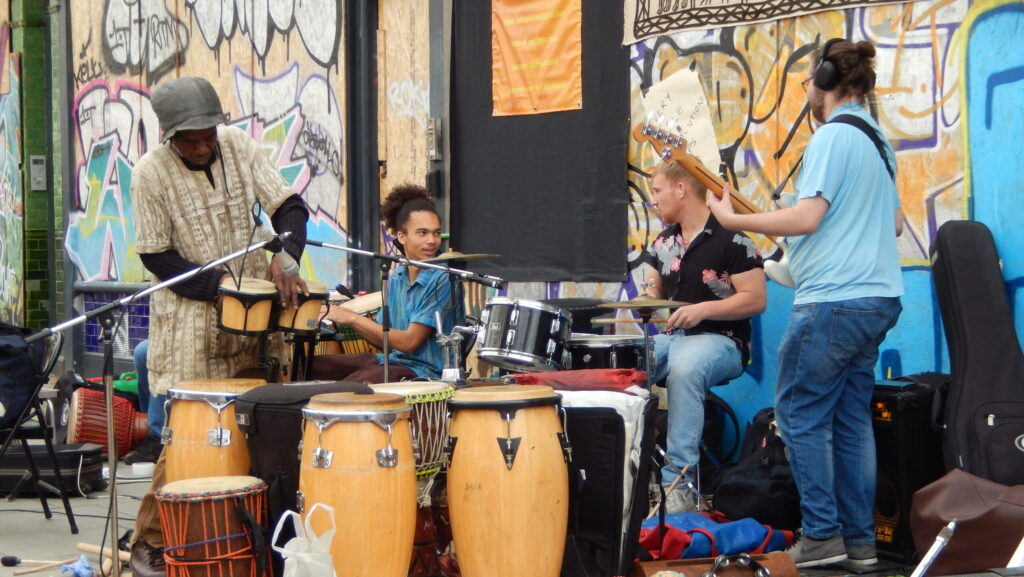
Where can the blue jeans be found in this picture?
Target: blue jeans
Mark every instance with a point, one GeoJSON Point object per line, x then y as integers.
{"type": "Point", "coordinates": [823, 408]}
{"type": "Point", "coordinates": [153, 404]}
{"type": "Point", "coordinates": [690, 365]}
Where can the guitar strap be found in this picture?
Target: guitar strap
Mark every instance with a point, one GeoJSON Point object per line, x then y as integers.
{"type": "Point", "coordinates": [856, 122]}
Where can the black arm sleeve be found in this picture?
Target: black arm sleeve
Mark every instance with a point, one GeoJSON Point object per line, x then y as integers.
{"type": "Point", "coordinates": [168, 264]}
{"type": "Point", "coordinates": [292, 216]}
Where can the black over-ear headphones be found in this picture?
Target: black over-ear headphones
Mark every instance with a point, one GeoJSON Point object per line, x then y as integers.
{"type": "Point", "coordinates": [826, 76]}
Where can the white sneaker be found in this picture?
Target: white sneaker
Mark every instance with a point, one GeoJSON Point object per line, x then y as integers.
{"type": "Point", "coordinates": [679, 500]}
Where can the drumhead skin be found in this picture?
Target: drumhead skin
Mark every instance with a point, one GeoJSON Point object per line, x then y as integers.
{"type": "Point", "coordinates": [248, 286]}
{"type": "Point", "coordinates": [365, 303]}
{"type": "Point", "coordinates": [507, 393]}
{"type": "Point", "coordinates": [417, 391]}
{"type": "Point", "coordinates": [343, 402]}
{"type": "Point", "coordinates": [317, 290]}
{"type": "Point", "coordinates": [210, 487]}
{"type": "Point", "coordinates": [230, 386]}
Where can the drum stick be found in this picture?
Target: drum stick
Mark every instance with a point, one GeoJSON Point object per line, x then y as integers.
{"type": "Point", "coordinates": [617, 321]}
{"type": "Point", "coordinates": [90, 548]}
{"type": "Point", "coordinates": [46, 566]}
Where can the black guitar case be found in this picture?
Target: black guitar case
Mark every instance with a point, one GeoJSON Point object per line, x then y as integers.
{"type": "Point", "coordinates": [984, 415]}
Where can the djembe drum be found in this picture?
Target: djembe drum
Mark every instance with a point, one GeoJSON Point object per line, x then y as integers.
{"type": "Point", "coordinates": [357, 457]}
{"type": "Point", "coordinates": [508, 500]}
{"type": "Point", "coordinates": [202, 437]}
{"type": "Point", "coordinates": [87, 421]}
{"type": "Point", "coordinates": [214, 526]}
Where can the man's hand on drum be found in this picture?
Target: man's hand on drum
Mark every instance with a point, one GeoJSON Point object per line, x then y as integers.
{"type": "Point", "coordinates": [686, 317]}
{"type": "Point", "coordinates": [339, 315]}
{"type": "Point", "coordinates": [288, 287]}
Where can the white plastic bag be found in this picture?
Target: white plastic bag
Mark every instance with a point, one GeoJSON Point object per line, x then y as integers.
{"type": "Point", "coordinates": [307, 554]}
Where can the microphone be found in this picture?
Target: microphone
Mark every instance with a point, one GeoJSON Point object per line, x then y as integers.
{"type": "Point", "coordinates": [312, 242]}
{"type": "Point", "coordinates": [274, 244]}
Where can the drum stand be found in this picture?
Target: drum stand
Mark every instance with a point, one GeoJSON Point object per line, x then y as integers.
{"type": "Point", "coordinates": [645, 317]}
{"type": "Point", "coordinates": [106, 319]}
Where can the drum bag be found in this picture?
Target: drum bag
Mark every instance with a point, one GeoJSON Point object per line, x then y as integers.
{"type": "Point", "coordinates": [984, 414]}
{"type": "Point", "coordinates": [989, 522]}
{"type": "Point", "coordinates": [270, 417]}
{"type": "Point", "coordinates": [81, 469]}
{"type": "Point", "coordinates": [600, 542]}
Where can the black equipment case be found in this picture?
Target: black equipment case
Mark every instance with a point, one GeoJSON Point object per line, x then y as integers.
{"type": "Point", "coordinates": [81, 467]}
{"type": "Point", "coordinates": [270, 417]}
{"type": "Point", "coordinates": [984, 413]}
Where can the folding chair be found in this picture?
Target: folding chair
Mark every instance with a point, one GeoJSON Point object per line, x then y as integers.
{"type": "Point", "coordinates": [31, 425]}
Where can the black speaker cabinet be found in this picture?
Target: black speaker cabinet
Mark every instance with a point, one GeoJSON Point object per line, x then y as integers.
{"type": "Point", "coordinates": [909, 457]}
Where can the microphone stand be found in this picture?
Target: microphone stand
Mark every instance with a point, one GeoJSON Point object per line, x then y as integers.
{"type": "Point", "coordinates": [107, 321]}
{"type": "Point", "coordinates": [491, 281]}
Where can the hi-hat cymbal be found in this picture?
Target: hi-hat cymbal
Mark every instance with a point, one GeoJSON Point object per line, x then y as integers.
{"type": "Point", "coordinates": [643, 302]}
{"type": "Point", "coordinates": [451, 255]}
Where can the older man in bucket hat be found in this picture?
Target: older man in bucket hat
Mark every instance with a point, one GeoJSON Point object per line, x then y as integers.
{"type": "Point", "coordinates": [193, 199]}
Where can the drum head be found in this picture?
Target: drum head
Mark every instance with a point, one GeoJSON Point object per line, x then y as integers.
{"type": "Point", "coordinates": [248, 286]}
{"type": "Point", "coordinates": [230, 386]}
{"type": "Point", "coordinates": [347, 402]}
{"type": "Point", "coordinates": [499, 393]}
{"type": "Point", "coordinates": [365, 303]}
{"type": "Point", "coordinates": [526, 304]}
{"type": "Point", "coordinates": [317, 290]}
{"type": "Point", "coordinates": [416, 392]}
{"type": "Point", "coordinates": [207, 487]}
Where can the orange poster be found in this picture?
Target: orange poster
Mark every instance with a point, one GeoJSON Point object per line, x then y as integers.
{"type": "Point", "coordinates": [537, 56]}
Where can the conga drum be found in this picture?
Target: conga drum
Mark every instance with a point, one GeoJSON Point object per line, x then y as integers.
{"type": "Point", "coordinates": [214, 526]}
{"type": "Point", "coordinates": [508, 482]}
{"type": "Point", "coordinates": [246, 306]}
{"type": "Point", "coordinates": [201, 434]}
{"type": "Point", "coordinates": [305, 318]}
{"type": "Point", "coordinates": [357, 457]}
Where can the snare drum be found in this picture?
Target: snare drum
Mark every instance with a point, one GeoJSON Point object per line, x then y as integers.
{"type": "Point", "coordinates": [203, 527]}
{"type": "Point", "coordinates": [508, 499]}
{"type": "Point", "coordinates": [357, 457]}
{"type": "Point", "coordinates": [305, 318]}
{"type": "Point", "coordinates": [247, 307]}
{"type": "Point", "coordinates": [606, 351]}
{"type": "Point", "coordinates": [201, 435]}
{"type": "Point", "coordinates": [524, 335]}
{"type": "Point", "coordinates": [429, 402]}
{"type": "Point", "coordinates": [87, 421]}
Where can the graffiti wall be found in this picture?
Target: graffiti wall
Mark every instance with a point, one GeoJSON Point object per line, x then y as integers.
{"type": "Point", "coordinates": [948, 104]}
{"type": "Point", "coordinates": [276, 67]}
{"type": "Point", "coordinates": [12, 214]}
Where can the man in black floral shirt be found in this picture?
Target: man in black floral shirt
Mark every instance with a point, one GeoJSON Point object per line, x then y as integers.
{"type": "Point", "coordinates": [707, 342]}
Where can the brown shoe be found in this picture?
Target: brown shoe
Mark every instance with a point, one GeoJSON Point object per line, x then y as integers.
{"type": "Point", "coordinates": [147, 561]}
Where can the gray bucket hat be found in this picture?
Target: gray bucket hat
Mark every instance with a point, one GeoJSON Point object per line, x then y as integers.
{"type": "Point", "coordinates": [186, 103]}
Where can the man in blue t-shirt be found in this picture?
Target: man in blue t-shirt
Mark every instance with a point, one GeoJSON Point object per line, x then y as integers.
{"type": "Point", "coordinates": [414, 295]}
{"type": "Point", "coordinates": [843, 257]}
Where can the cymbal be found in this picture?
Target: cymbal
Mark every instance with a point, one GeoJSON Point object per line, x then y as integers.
{"type": "Point", "coordinates": [643, 302]}
{"type": "Point", "coordinates": [624, 321]}
{"type": "Point", "coordinates": [450, 255]}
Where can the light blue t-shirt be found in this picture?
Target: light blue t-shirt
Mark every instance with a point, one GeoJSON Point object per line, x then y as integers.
{"type": "Point", "coordinates": [853, 252]}
{"type": "Point", "coordinates": [415, 303]}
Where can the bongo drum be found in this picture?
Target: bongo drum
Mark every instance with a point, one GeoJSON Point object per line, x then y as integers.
{"type": "Point", "coordinates": [201, 434]}
{"type": "Point", "coordinates": [208, 526]}
{"type": "Point", "coordinates": [357, 457]}
{"type": "Point", "coordinates": [87, 421]}
{"type": "Point", "coordinates": [508, 483]}
{"type": "Point", "coordinates": [305, 318]}
{"type": "Point", "coordinates": [246, 307]}
{"type": "Point", "coordinates": [429, 402]}
{"type": "Point", "coordinates": [350, 341]}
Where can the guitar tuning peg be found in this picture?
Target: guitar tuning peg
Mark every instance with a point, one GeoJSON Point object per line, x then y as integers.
{"type": "Point", "coordinates": [666, 153]}
{"type": "Point", "coordinates": [646, 128]}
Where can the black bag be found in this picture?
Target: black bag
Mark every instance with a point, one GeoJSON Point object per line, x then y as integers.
{"type": "Point", "coordinates": [81, 467]}
{"type": "Point", "coordinates": [270, 417]}
{"type": "Point", "coordinates": [19, 371]}
{"type": "Point", "coordinates": [985, 406]}
{"type": "Point", "coordinates": [760, 484]}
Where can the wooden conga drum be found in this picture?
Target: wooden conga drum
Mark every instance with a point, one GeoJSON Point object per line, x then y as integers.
{"type": "Point", "coordinates": [508, 482]}
{"type": "Point", "coordinates": [357, 457]}
{"type": "Point", "coordinates": [208, 526]}
{"type": "Point", "coordinates": [201, 435]}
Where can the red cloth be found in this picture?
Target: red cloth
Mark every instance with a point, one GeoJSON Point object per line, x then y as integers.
{"type": "Point", "coordinates": [617, 380]}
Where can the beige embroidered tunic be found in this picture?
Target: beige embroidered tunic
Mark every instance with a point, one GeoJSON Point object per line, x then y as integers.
{"type": "Point", "coordinates": [177, 208]}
